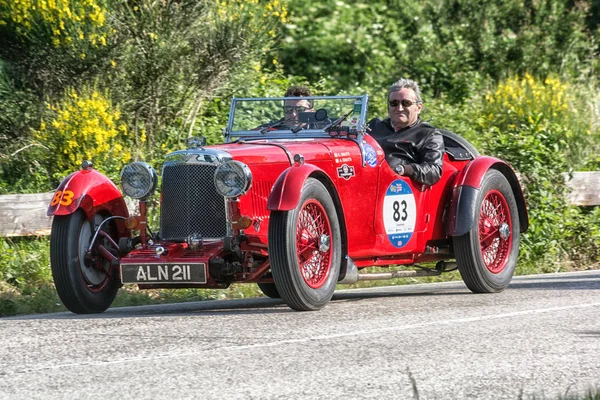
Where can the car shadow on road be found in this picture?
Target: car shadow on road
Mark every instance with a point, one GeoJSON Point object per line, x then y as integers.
{"type": "Point", "coordinates": [360, 295]}
{"type": "Point", "coordinates": [595, 334]}
{"type": "Point", "coordinates": [574, 283]}
{"type": "Point", "coordinates": [252, 306]}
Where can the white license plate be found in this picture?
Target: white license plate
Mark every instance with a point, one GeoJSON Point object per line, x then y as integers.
{"type": "Point", "coordinates": [164, 273]}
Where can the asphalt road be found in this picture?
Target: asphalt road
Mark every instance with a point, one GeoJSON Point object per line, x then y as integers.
{"type": "Point", "coordinates": [541, 338]}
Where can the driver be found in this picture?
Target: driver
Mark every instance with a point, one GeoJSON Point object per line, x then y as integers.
{"type": "Point", "coordinates": [412, 148]}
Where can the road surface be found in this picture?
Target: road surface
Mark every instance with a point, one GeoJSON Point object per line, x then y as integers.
{"type": "Point", "coordinates": [540, 337]}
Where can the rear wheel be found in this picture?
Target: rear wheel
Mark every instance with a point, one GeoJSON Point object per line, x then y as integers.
{"type": "Point", "coordinates": [487, 255]}
{"type": "Point", "coordinates": [305, 249]}
{"type": "Point", "coordinates": [82, 281]}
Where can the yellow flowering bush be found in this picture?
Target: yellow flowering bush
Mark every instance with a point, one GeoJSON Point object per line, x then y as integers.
{"type": "Point", "coordinates": [534, 124]}
{"type": "Point", "coordinates": [528, 101]}
{"type": "Point", "coordinates": [65, 21]}
{"type": "Point", "coordinates": [265, 12]}
{"type": "Point", "coordinates": [84, 126]}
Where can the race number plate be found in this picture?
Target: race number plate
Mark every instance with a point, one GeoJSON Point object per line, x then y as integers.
{"type": "Point", "coordinates": [163, 273]}
{"type": "Point", "coordinates": [399, 213]}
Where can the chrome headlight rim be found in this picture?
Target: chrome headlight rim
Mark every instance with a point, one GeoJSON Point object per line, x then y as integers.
{"type": "Point", "coordinates": [138, 180]}
{"type": "Point", "coordinates": [241, 175]}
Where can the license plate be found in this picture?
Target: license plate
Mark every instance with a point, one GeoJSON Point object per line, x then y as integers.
{"type": "Point", "coordinates": [163, 273]}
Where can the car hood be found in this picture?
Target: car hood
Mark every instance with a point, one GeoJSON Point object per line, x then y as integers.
{"type": "Point", "coordinates": [273, 151]}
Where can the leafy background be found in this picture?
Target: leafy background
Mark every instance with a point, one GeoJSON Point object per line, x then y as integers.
{"type": "Point", "coordinates": [121, 80]}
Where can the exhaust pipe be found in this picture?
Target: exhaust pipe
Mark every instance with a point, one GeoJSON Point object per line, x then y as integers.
{"type": "Point", "coordinates": [352, 275]}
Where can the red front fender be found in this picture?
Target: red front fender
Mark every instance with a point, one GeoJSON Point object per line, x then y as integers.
{"type": "Point", "coordinates": [288, 187]}
{"type": "Point", "coordinates": [89, 190]}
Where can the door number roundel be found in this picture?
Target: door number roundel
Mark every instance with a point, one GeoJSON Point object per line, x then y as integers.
{"type": "Point", "coordinates": [399, 213]}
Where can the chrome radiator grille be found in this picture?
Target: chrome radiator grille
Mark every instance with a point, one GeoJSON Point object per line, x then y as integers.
{"type": "Point", "coordinates": [190, 204]}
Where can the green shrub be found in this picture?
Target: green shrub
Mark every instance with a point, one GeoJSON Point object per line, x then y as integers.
{"type": "Point", "coordinates": [451, 47]}
{"type": "Point", "coordinates": [531, 124]}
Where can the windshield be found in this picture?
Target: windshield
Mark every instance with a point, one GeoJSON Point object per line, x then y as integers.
{"type": "Point", "coordinates": [285, 117]}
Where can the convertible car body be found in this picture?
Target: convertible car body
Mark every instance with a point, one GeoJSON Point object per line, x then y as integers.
{"type": "Point", "coordinates": [296, 204]}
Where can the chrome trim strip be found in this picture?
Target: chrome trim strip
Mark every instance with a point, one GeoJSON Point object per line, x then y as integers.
{"type": "Point", "coordinates": [203, 156]}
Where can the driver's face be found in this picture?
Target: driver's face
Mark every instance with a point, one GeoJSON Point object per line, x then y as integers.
{"type": "Point", "coordinates": [291, 109]}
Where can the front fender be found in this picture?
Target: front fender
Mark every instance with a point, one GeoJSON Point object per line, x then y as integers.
{"type": "Point", "coordinates": [461, 212]}
{"type": "Point", "coordinates": [286, 192]}
{"type": "Point", "coordinates": [89, 190]}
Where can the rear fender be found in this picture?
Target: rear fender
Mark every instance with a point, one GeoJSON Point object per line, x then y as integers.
{"type": "Point", "coordinates": [462, 208]}
{"type": "Point", "coordinates": [89, 190]}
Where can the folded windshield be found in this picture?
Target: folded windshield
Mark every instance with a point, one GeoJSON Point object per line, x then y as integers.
{"type": "Point", "coordinates": [297, 116]}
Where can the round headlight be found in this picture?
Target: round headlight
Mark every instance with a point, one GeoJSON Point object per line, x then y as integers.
{"type": "Point", "coordinates": [138, 180]}
{"type": "Point", "coordinates": [233, 179]}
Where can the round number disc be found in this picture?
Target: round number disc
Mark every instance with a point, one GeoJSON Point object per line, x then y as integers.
{"type": "Point", "coordinates": [399, 213]}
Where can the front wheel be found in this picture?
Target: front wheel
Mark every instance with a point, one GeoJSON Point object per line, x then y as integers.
{"type": "Point", "coordinates": [487, 254]}
{"type": "Point", "coordinates": [82, 281]}
{"type": "Point", "coordinates": [305, 249]}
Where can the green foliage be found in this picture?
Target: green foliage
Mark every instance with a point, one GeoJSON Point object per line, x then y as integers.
{"type": "Point", "coordinates": [84, 126]}
{"type": "Point", "coordinates": [172, 56]}
{"type": "Point", "coordinates": [532, 125]}
{"type": "Point", "coordinates": [52, 44]}
{"type": "Point", "coordinates": [25, 280]}
{"type": "Point", "coordinates": [451, 47]}
{"type": "Point", "coordinates": [24, 260]}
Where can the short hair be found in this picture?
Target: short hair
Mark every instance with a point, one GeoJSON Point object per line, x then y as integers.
{"type": "Point", "coordinates": [408, 84]}
{"type": "Point", "coordinates": [298, 91]}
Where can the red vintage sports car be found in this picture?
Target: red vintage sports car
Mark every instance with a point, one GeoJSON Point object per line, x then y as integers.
{"type": "Point", "coordinates": [295, 205]}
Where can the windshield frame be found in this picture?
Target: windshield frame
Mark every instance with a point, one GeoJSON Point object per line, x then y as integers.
{"type": "Point", "coordinates": [288, 133]}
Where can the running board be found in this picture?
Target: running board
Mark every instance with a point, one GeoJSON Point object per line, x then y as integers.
{"type": "Point", "coordinates": [352, 275]}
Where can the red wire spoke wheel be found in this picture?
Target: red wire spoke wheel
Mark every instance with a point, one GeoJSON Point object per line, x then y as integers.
{"type": "Point", "coordinates": [487, 254]}
{"type": "Point", "coordinates": [494, 231]}
{"type": "Point", "coordinates": [305, 249]}
{"type": "Point", "coordinates": [313, 244]}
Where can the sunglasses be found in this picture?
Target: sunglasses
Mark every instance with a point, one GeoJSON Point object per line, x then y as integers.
{"type": "Point", "coordinates": [291, 109]}
{"type": "Point", "coordinates": [405, 103]}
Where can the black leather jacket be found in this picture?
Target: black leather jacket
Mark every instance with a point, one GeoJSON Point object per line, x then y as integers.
{"type": "Point", "coordinates": [421, 146]}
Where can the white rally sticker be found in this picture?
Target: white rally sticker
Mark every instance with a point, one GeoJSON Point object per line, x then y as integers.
{"type": "Point", "coordinates": [399, 213]}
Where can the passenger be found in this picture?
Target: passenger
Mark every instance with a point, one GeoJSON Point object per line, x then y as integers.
{"type": "Point", "coordinates": [412, 148]}
{"type": "Point", "coordinates": [292, 108]}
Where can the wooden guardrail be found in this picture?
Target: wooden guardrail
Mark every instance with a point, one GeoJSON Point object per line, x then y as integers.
{"type": "Point", "coordinates": [25, 214]}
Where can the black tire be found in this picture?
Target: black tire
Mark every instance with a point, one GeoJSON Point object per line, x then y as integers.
{"type": "Point", "coordinates": [269, 290]}
{"type": "Point", "coordinates": [487, 255]}
{"type": "Point", "coordinates": [312, 227]}
{"type": "Point", "coordinates": [83, 286]}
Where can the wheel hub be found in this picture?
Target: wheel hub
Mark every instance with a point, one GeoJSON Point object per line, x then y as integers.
{"type": "Point", "coordinates": [91, 266]}
{"type": "Point", "coordinates": [504, 231]}
{"type": "Point", "coordinates": [324, 243]}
